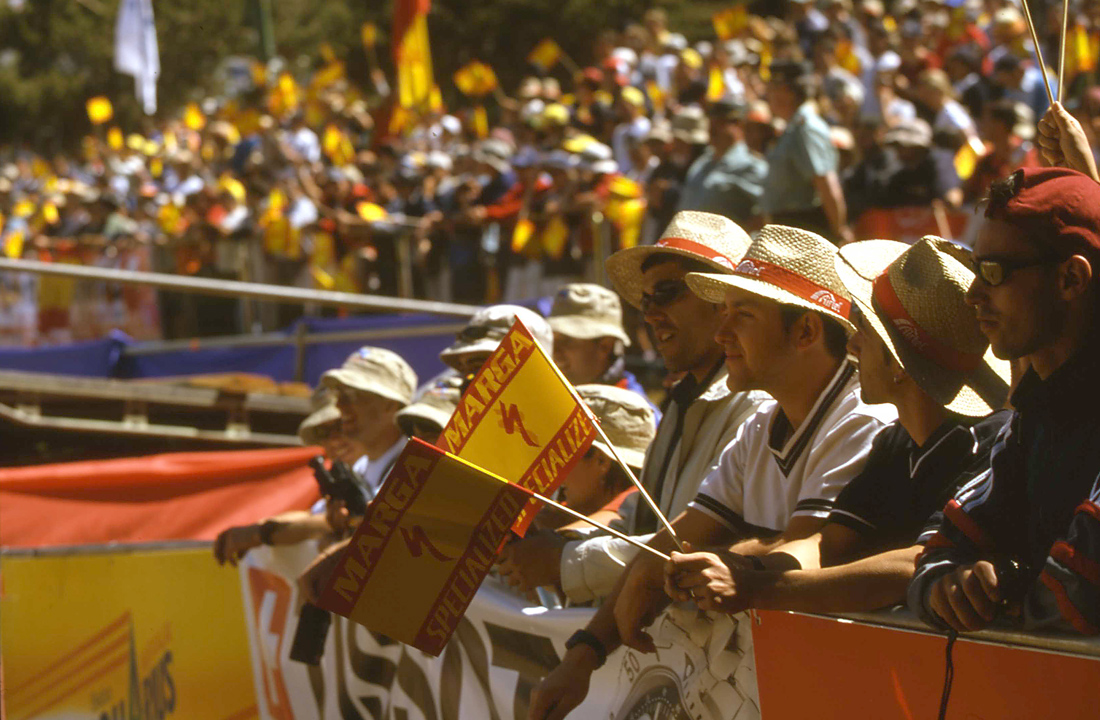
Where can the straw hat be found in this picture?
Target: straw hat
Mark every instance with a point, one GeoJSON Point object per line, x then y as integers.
{"type": "Point", "coordinates": [915, 299]}
{"type": "Point", "coordinates": [789, 265]}
{"type": "Point", "coordinates": [626, 418]}
{"type": "Point", "coordinates": [713, 239]}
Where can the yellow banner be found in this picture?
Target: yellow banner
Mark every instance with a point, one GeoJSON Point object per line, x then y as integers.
{"type": "Point", "coordinates": [421, 552]}
{"type": "Point", "coordinates": [414, 71]}
{"type": "Point", "coordinates": [119, 636]}
{"type": "Point", "coordinates": [520, 419]}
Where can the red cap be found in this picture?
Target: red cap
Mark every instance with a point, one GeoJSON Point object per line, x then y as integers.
{"type": "Point", "coordinates": [1055, 206]}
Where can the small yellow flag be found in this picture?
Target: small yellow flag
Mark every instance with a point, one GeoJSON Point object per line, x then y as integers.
{"type": "Point", "coordinates": [545, 55]}
{"type": "Point", "coordinates": [327, 53]}
{"type": "Point", "coordinates": [100, 110]}
{"type": "Point", "coordinates": [114, 139]}
{"type": "Point", "coordinates": [369, 33]}
{"type": "Point", "coordinates": [193, 117]}
{"type": "Point", "coordinates": [135, 142]}
{"type": "Point", "coordinates": [554, 237]}
{"type": "Point", "coordinates": [481, 122]}
{"type": "Point", "coordinates": [966, 160]}
{"type": "Point", "coordinates": [716, 84]}
{"type": "Point", "coordinates": [23, 209]}
{"type": "Point", "coordinates": [476, 79]}
{"type": "Point", "coordinates": [322, 278]}
{"type": "Point", "coordinates": [522, 234]}
{"type": "Point", "coordinates": [435, 100]}
{"type": "Point", "coordinates": [728, 23]}
{"type": "Point", "coordinates": [13, 244]}
{"type": "Point", "coordinates": [156, 167]}
{"type": "Point", "coordinates": [370, 211]}
{"type": "Point", "coordinates": [49, 213]}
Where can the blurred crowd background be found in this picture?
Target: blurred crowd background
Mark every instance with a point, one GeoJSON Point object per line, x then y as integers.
{"type": "Point", "coordinates": [556, 134]}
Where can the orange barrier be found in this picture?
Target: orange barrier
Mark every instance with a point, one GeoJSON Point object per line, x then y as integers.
{"type": "Point", "coordinates": [181, 496]}
{"type": "Point", "coordinates": [844, 669]}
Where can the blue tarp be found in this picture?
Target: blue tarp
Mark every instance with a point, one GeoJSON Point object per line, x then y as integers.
{"type": "Point", "coordinates": [105, 358]}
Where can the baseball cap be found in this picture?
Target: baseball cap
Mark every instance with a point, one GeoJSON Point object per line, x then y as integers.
{"type": "Point", "coordinates": [587, 311]}
{"type": "Point", "coordinates": [375, 370]}
{"type": "Point", "coordinates": [1055, 206]}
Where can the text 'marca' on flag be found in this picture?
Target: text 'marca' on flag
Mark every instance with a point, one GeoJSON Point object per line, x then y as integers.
{"type": "Point", "coordinates": [427, 541]}
{"type": "Point", "coordinates": [520, 419]}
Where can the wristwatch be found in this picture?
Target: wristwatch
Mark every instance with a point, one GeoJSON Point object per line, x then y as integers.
{"type": "Point", "coordinates": [267, 529]}
{"type": "Point", "coordinates": [583, 637]}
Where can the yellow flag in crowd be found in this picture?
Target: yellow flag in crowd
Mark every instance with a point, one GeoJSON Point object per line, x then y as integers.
{"type": "Point", "coordinates": [481, 122]}
{"type": "Point", "coordinates": [475, 79]}
{"type": "Point", "coordinates": [322, 278]}
{"type": "Point", "coordinates": [545, 55]}
{"type": "Point", "coordinates": [1083, 57]}
{"type": "Point", "coordinates": [728, 23]}
{"type": "Point", "coordinates": [520, 419]}
{"type": "Point", "coordinates": [370, 211]}
{"type": "Point", "coordinates": [554, 237]}
{"type": "Point", "coordinates": [193, 117]}
{"type": "Point", "coordinates": [966, 161]}
{"type": "Point", "coordinates": [13, 244]}
{"type": "Point", "coordinates": [369, 33]}
{"type": "Point", "coordinates": [100, 110]}
{"type": "Point", "coordinates": [427, 541]}
{"type": "Point", "coordinates": [522, 234]}
{"type": "Point", "coordinates": [412, 54]}
{"type": "Point", "coordinates": [114, 139]}
{"type": "Point", "coordinates": [716, 84]}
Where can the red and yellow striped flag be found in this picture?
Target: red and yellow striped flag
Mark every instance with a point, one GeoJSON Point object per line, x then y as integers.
{"type": "Point", "coordinates": [427, 541]}
{"type": "Point", "coordinates": [412, 54]}
{"type": "Point", "coordinates": [520, 419]}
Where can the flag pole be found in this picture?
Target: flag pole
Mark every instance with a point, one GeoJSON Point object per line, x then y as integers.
{"type": "Point", "coordinates": [1062, 57]}
{"type": "Point", "coordinates": [1038, 52]}
{"type": "Point", "coordinates": [601, 526]}
{"type": "Point", "coordinates": [611, 446]}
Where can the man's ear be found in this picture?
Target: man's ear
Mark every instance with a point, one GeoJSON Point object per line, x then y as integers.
{"type": "Point", "coordinates": [1075, 277]}
{"type": "Point", "coordinates": [807, 329]}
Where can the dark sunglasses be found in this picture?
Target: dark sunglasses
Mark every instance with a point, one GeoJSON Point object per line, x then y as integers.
{"type": "Point", "coordinates": [664, 294]}
{"type": "Point", "coordinates": [994, 270]}
{"type": "Point", "coordinates": [473, 332]}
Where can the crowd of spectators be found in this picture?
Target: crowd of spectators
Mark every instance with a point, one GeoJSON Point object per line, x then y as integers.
{"type": "Point", "coordinates": [815, 115]}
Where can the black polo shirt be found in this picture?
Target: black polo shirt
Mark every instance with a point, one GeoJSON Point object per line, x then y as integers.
{"type": "Point", "coordinates": [891, 502]}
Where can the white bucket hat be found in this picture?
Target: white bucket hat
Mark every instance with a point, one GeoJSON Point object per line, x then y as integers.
{"type": "Point", "coordinates": [626, 419]}
{"type": "Point", "coordinates": [375, 370]}
{"type": "Point", "coordinates": [587, 311]}
{"type": "Point", "coordinates": [488, 327]}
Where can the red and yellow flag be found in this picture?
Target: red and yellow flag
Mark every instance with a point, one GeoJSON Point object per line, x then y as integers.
{"type": "Point", "coordinates": [520, 419]}
{"type": "Point", "coordinates": [728, 23]}
{"type": "Point", "coordinates": [475, 79]}
{"type": "Point", "coordinates": [545, 55]}
{"type": "Point", "coordinates": [426, 543]}
{"type": "Point", "coordinates": [412, 55]}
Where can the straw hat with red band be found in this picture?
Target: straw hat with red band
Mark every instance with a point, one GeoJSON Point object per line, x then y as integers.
{"type": "Point", "coordinates": [788, 265]}
{"type": "Point", "coordinates": [712, 239]}
{"type": "Point", "coordinates": [914, 298]}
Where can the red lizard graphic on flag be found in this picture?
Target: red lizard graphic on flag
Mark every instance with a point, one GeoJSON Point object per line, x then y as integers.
{"type": "Point", "coordinates": [417, 540]}
{"type": "Point", "coordinates": [511, 419]}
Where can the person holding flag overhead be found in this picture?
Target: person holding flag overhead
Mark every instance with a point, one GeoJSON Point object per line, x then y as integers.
{"type": "Point", "coordinates": [784, 331]}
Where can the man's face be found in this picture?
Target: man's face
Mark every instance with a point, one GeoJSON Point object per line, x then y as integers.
{"type": "Point", "coordinates": [1024, 313]}
{"type": "Point", "coordinates": [583, 488]}
{"type": "Point", "coordinates": [754, 341]}
{"type": "Point", "coordinates": [582, 361]}
{"type": "Point", "coordinates": [683, 324]}
{"type": "Point", "coordinates": [364, 416]}
{"type": "Point", "coordinates": [876, 366]}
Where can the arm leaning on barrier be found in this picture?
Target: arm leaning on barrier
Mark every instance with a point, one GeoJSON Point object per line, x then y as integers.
{"type": "Point", "coordinates": [286, 529]}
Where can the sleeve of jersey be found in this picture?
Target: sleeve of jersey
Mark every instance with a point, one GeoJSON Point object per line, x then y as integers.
{"type": "Point", "coordinates": [966, 530]}
{"type": "Point", "coordinates": [721, 494]}
{"type": "Point", "coordinates": [859, 505]}
{"type": "Point", "coordinates": [1072, 570]}
{"type": "Point", "coordinates": [840, 455]}
{"type": "Point", "coordinates": [590, 568]}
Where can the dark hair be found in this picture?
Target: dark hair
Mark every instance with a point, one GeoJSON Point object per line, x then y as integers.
{"type": "Point", "coordinates": [836, 339]}
{"type": "Point", "coordinates": [687, 263]}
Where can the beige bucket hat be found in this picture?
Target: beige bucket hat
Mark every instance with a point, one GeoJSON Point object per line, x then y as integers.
{"type": "Point", "coordinates": [488, 327]}
{"type": "Point", "coordinates": [436, 404]}
{"type": "Point", "coordinates": [626, 419]}
{"type": "Point", "coordinates": [587, 311]}
{"type": "Point", "coordinates": [789, 265]}
{"type": "Point", "coordinates": [713, 239]}
{"type": "Point", "coordinates": [323, 405]}
{"type": "Point", "coordinates": [375, 370]}
{"type": "Point", "coordinates": [915, 299]}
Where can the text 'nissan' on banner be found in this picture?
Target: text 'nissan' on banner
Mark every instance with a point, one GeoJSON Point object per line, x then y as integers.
{"type": "Point", "coordinates": [426, 543]}
{"type": "Point", "coordinates": [520, 419]}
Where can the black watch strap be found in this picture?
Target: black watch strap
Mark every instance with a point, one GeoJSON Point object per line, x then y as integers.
{"type": "Point", "coordinates": [583, 637]}
{"type": "Point", "coordinates": [756, 562]}
{"type": "Point", "coordinates": [267, 529]}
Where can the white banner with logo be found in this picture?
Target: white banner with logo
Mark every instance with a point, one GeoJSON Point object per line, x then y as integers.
{"type": "Point", "coordinates": [703, 668]}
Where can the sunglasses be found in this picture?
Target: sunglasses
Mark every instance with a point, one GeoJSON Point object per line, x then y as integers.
{"type": "Point", "coordinates": [665, 292]}
{"type": "Point", "coordinates": [993, 270]}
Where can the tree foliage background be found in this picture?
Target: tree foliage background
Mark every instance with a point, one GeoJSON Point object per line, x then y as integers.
{"type": "Point", "coordinates": [55, 54]}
